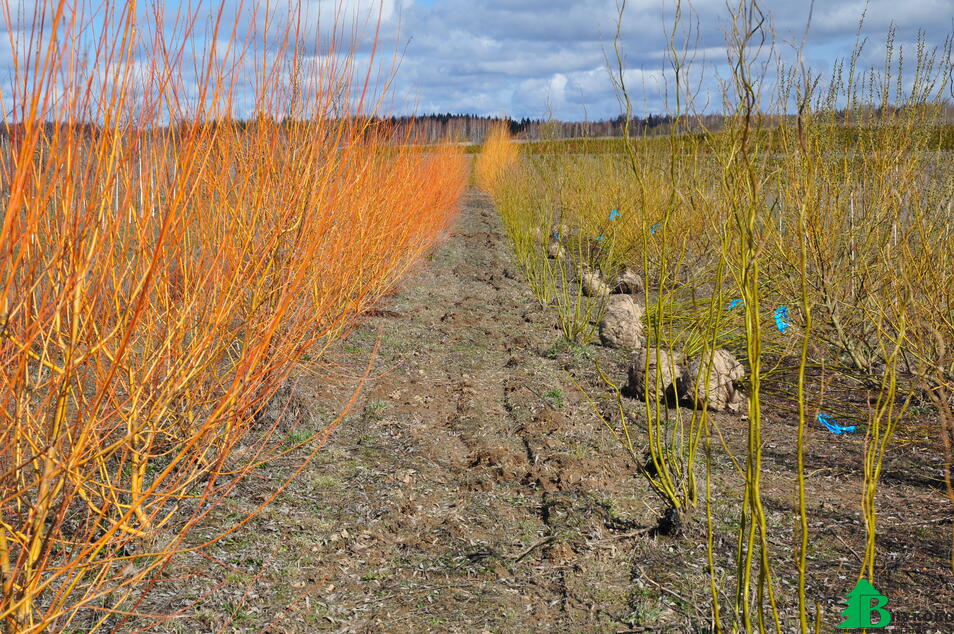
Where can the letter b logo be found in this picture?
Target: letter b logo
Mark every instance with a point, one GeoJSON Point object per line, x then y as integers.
{"type": "Point", "coordinates": [861, 612]}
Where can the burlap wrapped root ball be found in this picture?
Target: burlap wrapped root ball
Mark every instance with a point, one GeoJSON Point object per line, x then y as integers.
{"type": "Point", "coordinates": [622, 323]}
{"type": "Point", "coordinates": [711, 381]}
{"type": "Point", "coordinates": [593, 284]}
{"type": "Point", "coordinates": [628, 282]}
{"type": "Point", "coordinates": [666, 376]}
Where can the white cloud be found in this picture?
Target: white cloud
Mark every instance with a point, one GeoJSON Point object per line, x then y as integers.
{"type": "Point", "coordinates": [521, 57]}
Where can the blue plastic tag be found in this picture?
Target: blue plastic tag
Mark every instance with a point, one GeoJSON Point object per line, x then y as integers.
{"type": "Point", "coordinates": [781, 319]}
{"type": "Point", "coordinates": [834, 427]}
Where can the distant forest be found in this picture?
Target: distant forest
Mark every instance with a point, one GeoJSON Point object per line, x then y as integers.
{"type": "Point", "coordinates": [473, 129]}
{"type": "Point", "coordinates": [463, 128]}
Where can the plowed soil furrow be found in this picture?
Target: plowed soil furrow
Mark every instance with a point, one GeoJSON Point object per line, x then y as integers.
{"type": "Point", "coordinates": [431, 508]}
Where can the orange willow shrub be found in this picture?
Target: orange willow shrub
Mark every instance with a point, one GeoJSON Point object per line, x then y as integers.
{"type": "Point", "coordinates": [498, 154]}
{"type": "Point", "coordinates": [163, 268]}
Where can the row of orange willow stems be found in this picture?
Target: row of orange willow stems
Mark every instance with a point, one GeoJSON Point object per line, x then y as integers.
{"type": "Point", "coordinates": [165, 266]}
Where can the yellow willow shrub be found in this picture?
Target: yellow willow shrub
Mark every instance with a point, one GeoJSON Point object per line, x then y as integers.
{"type": "Point", "coordinates": [879, 194]}
{"type": "Point", "coordinates": [526, 205]}
{"type": "Point", "coordinates": [163, 268]}
{"type": "Point", "coordinates": [662, 198]}
{"type": "Point", "coordinates": [832, 207]}
{"type": "Point", "coordinates": [497, 155]}
{"type": "Point", "coordinates": [605, 216]}
{"type": "Point", "coordinates": [660, 224]}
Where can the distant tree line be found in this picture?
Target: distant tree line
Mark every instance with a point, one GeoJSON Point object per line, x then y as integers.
{"type": "Point", "coordinates": [425, 128]}
{"type": "Point", "coordinates": [473, 129]}
{"type": "Point", "coordinates": [468, 128]}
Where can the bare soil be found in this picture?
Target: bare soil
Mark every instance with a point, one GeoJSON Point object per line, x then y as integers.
{"type": "Point", "coordinates": [472, 489]}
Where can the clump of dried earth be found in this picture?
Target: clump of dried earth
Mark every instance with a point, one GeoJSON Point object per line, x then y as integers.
{"type": "Point", "coordinates": [472, 489]}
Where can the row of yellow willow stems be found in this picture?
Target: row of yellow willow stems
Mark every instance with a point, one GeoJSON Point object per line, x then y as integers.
{"type": "Point", "coordinates": [839, 212]}
{"type": "Point", "coordinates": [163, 268]}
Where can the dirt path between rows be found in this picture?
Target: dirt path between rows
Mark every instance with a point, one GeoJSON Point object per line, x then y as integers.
{"type": "Point", "coordinates": [459, 496]}
{"type": "Point", "coordinates": [471, 488]}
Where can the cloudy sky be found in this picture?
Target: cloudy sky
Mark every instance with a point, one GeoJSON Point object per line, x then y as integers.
{"type": "Point", "coordinates": [531, 58]}
{"type": "Point", "coordinates": [523, 57]}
